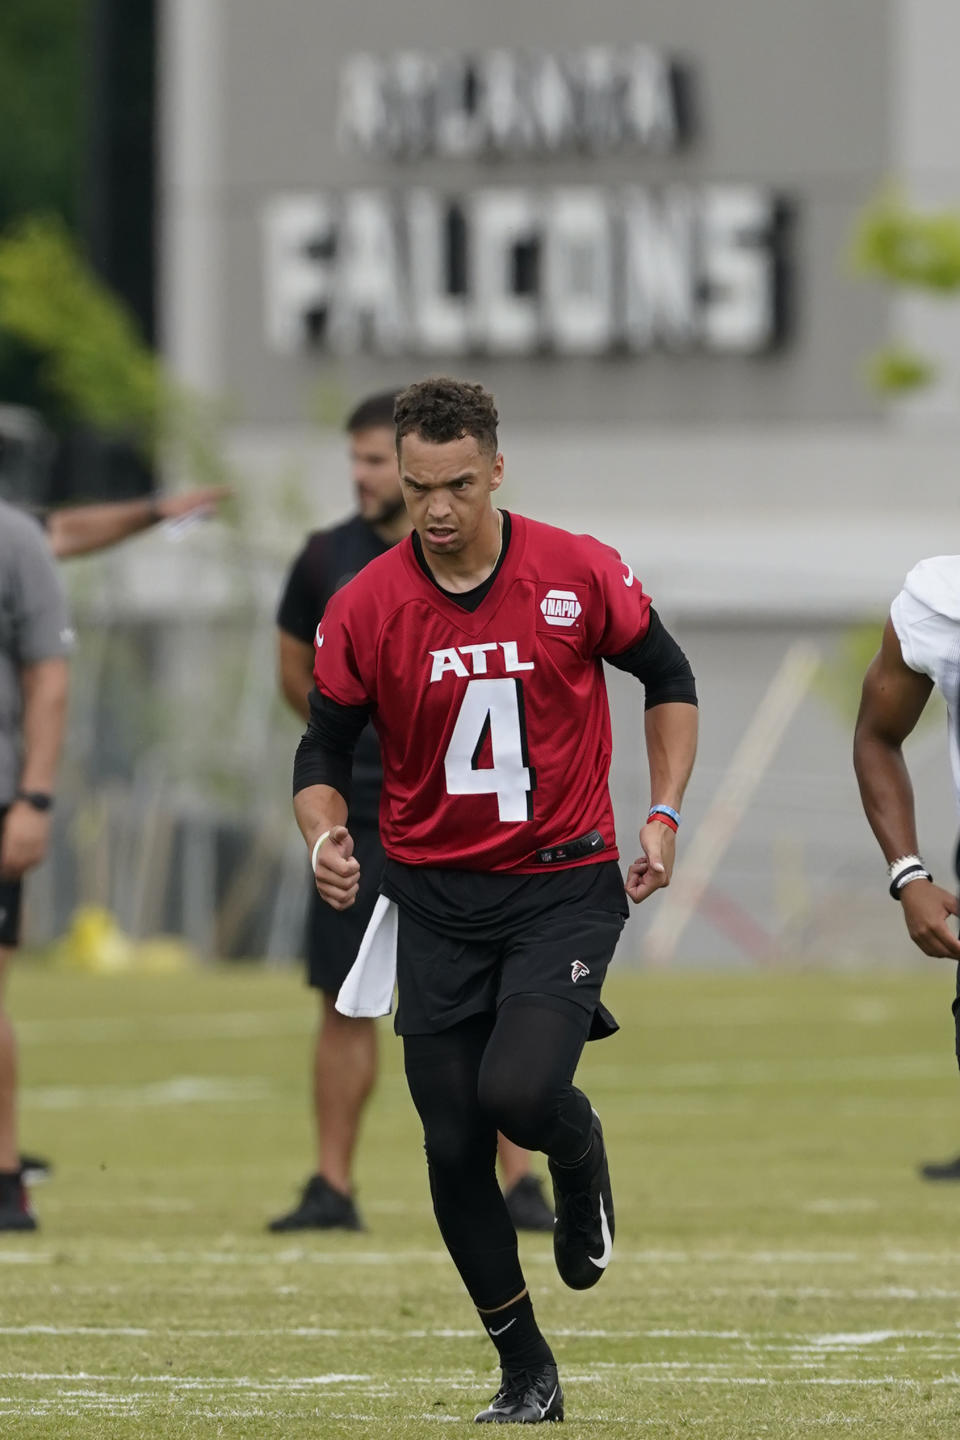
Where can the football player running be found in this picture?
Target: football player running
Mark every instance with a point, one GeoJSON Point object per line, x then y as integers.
{"type": "Point", "coordinates": [920, 649]}
{"type": "Point", "coordinates": [475, 646]}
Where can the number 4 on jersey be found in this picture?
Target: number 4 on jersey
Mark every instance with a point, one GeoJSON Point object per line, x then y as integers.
{"type": "Point", "coordinates": [494, 708]}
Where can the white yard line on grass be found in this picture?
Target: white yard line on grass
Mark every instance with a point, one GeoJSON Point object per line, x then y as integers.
{"type": "Point", "coordinates": [848, 1205]}
{"type": "Point", "coordinates": [736, 1259]}
{"type": "Point", "coordinates": [179, 1090]}
{"type": "Point", "coordinates": [791, 1340]}
{"type": "Point", "coordinates": [187, 1382]}
{"type": "Point", "coordinates": [665, 1373]}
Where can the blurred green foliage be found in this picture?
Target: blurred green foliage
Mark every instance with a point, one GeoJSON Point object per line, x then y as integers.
{"type": "Point", "coordinates": [913, 250]}
{"type": "Point", "coordinates": [909, 247]}
{"type": "Point", "coordinates": [41, 144]}
{"type": "Point", "coordinates": [839, 679]}
{"type": "Point", "coordinates": [41, 76]}
{"type": "Point", "coordinates": [93, 359]}
{"type": "Point", "coordinates": [840, 676]}
{"type": "Point", "coordinates": [895, 370]}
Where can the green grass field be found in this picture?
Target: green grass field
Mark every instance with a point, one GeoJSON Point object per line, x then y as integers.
{"type": "Point", "coordinates": [779, 1269]}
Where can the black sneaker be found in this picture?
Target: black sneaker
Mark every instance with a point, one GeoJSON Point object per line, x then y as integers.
{"type": "Point", "coordinates": [527, 1205]}
{"type": "Point", "coordinates": [15, 1211]}
{"type": "Point", "coordinates": [940, 1170]}
{"type": "Point", "coordinates": [526, 1398]}
{"type": "Point", "coordinates": [34, 1169]}
{"type": "Point", "coordinates": [321, 1207]}
{"type": "Point", "coordinates": [583, 1234]}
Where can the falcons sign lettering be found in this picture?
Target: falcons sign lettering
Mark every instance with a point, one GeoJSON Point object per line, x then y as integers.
{"type": "Point", "coordinates": [560, 607]}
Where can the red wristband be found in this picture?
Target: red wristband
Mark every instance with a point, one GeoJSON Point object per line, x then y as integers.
{"type": "Point", "coordinates": [659, 816]}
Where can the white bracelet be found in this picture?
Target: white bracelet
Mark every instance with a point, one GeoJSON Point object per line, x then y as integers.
{"type": "Point", "coordinates": [903, 862]}
{"type": "Point", "coordinates": [316, 850]}
{"type": "Point", "coordinates": [902, 881]}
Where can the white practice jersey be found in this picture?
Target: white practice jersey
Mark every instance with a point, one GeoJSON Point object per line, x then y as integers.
{"type": "Point", "coordinates": [926, 617]}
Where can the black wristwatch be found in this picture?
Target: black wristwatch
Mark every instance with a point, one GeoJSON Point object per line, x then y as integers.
{"type": "Point", "coordinates": [39, 799]}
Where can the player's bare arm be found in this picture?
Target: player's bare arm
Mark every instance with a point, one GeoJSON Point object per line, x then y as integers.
{"type": "Point", "coordinates": [321, 789]}
{"type": "Point", "coordinates": [321, 814]}
{"type": "Point", "coordinates": [671, 737]}
{"type": "Point", "coordinates": [26, 832]}
{"type": "Point", "coordinates": [891, 703]}
{"type": "Point", "coordinates": [320, 809]}
{"type": "Point", "coordinates": [84, 529]}
{"type": "Point", "coordinates": [295, 672]}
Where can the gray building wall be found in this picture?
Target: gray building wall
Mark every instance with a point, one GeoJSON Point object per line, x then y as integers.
{"type": "Point", "coordinates": [778, 107]}
{"type": "Point", "coordinates": [762, 499]}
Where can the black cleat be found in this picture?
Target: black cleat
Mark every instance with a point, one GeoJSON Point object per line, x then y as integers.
{"type": "Point", "coordinates": [527, 1206]}
{"type": "Point", "coordinates": [34, 1169]}
{"type": "Point", "coordinates": [526, 1398]}
{"type": "Point", "coordinates": [15, 1211]}
{"type": "Point", "coordinates": [321, 1207]}
{"type": "Point", "coordinates": [940, 1170]}
{"type": "Point", "coordinates": [583, 1234]}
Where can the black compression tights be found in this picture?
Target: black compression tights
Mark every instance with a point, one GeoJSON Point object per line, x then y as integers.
{"type": "Point", "coordinates": [511, 1073]}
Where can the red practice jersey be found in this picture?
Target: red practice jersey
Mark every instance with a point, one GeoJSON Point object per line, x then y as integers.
{"type": "Point", "coordinates": [494, 725]}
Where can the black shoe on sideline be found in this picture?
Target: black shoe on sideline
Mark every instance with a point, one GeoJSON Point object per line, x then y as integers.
{"type": "Point", "coordinates": [583, 1234]}
{"type": "Point", "coordinates": [321, 1207]}
{"type": "Point", "coordinates": [942, 1170]}
{"type": "Point", "coordinates": [34, 1169]}
{"type": "Point", "coordinates": [527, 1398]}
{"type": "Point", "coordinates": [15, 1211]}
{"type": "Point", "coordinates": [527, 1205]}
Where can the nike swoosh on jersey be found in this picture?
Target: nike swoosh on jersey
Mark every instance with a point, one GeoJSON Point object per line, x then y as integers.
{"type": "Point", "coordinates": [504, 1327]}
{"type": "Point", "coordinates": [318, 638]}
{"type": "Point", "coordinates": [603, 1259]}
{"type": "Point", "coordinates": [628, 578]}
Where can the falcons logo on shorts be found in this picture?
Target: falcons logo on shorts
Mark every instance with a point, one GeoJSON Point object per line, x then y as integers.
{"type": "Point", "coordinates": [578, 970]}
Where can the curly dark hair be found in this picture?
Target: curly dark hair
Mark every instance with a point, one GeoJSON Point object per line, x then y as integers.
{"type": "Point", "coordinates": [441, 409]}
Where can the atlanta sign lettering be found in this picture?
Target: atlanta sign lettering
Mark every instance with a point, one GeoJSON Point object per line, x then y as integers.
{"type": "Point", "coordinates": [514, 269]}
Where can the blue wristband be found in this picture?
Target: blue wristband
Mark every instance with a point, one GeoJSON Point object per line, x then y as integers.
{"type": "Point", "coordinates": [664, 810]}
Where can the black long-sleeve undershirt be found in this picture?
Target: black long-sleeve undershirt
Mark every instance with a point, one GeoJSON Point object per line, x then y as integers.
{"type": "Point", "coordinates": [325, 753]}
{"type": "Point", "coordinates": [660, 665]}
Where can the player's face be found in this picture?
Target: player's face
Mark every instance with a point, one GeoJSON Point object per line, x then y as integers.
{"type": "Point", "coordinates": [447, 489]}
{"type": "Point", "coordinates": [376, 475]}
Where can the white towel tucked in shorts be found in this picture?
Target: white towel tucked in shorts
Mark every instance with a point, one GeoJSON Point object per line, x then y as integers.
{"type": "Point", "coordinates": [368, 989]}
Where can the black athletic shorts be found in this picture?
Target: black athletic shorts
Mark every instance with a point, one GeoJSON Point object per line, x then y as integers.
{"type": "Point", "coordinates": [333, 936]}
{"type": "Point", "coordinates": [11, 892]}
{"type": "Point", "coordinates": [468, 941]}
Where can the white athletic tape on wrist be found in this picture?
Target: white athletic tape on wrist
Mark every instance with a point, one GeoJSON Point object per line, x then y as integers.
{"type": "Point", "coordinates": [903, 862]}
{"type": "Point", "coordinates": [316, 849]}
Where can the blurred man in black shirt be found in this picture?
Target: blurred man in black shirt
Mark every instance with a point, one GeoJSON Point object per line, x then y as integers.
{"type": "Point", "coordinates": [345, 1061]}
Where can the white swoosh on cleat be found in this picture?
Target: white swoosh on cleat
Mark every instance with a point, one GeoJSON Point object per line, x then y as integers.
{"type": "Point", "coordinates": [603, 1259]}
{"type": "Point", "coordinates": [544, 1408]}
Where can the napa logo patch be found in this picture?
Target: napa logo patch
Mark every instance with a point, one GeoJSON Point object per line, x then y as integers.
{"type": "Point", "coordinates": [561, 609]}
